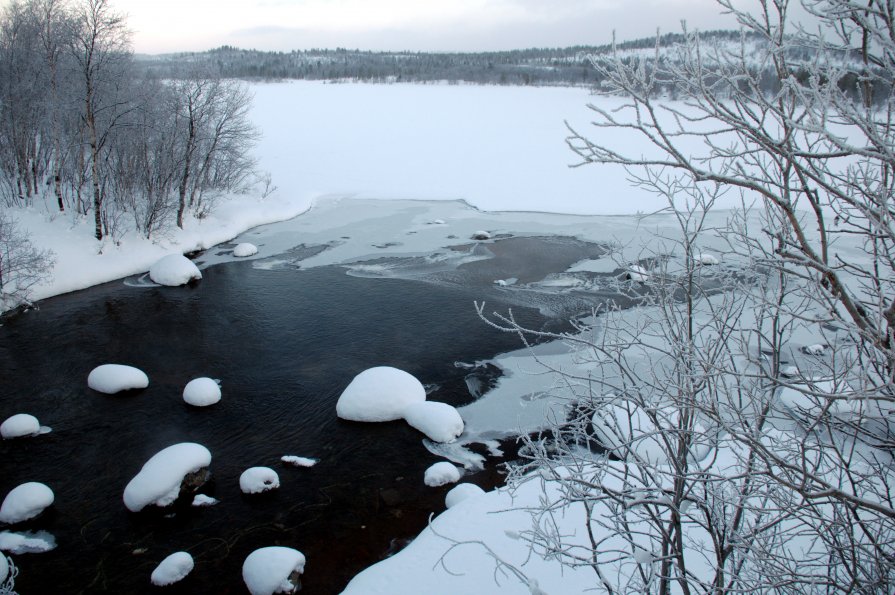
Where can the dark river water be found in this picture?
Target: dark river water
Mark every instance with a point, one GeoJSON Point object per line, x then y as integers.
{"type": "Point", "coordinates": [284, 345]}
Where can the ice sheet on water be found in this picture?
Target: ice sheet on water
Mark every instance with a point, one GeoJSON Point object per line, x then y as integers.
{"type": "Point", "coordinates": [458, 453]}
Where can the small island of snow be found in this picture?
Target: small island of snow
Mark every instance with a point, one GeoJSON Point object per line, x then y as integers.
{"type": "Point", "coordinates": [172, 569]}
{"type": "Point", "coordinates": [4, 569]}
{"type": "Point", "coordinates": [26, 543]}
{"type": "Point", "coordinates": [174, 270]}
{"type": "Point", "coordinates": [439, 421]}
{"type": "Point", "coordinates": [274, 569]}
{"type": "Point", "coordinates": [298, 461]}
{"type": "Point", "coordinates": [160, 479]}
{"type": "Point", "coordinates": [379, 394]}
{"type": "Point", "coordinates": [245, 249]}
{"type": "Point", "coordinates": [256, 480]}
{"type": "Point", "coordinates": [461, 492]}
{"type": "Point", "coordinates": [25, 502]}
{"type": "Point", "coordinates": [202, 392]}
{"type": "Point", "coordinates": [114, 378]}
{"type": "Point", "coordinates": [441, 474]}
{"type": "Point", "coordinates": [203, 500]}
{"type": "Point", "coordinates": [19, 426]}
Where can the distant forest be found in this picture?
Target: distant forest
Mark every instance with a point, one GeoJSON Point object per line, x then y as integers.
{"type": "Point", "coordinates": [559, 66]}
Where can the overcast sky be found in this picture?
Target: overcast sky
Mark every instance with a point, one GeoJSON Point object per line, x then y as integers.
{"type": "Point", "coordinates": [428, 25]}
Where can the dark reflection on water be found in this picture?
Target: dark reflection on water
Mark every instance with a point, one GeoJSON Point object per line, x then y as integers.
{"type": "Point", "coordinates": [284, 345]}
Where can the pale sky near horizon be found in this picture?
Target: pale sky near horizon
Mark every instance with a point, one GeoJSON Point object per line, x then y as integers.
{"type": "Point", "coordinates": [425, 25]}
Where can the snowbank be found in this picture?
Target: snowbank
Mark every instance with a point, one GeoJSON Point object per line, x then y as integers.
{"type": "Point", "coordinates": [19, 426]}
{"type": "Point", "coordinates": [114, 378]}
{"type": "Point", "coordinates": [172, 569]}
{"type": "Point", "coordinates": [173, 270]}
{"type": "Point", "coordinates": [245, 249]}
{"type": "Point", "coordinates": [461, 492]}
{"type": "Point", "coordinates": [273, 569]}
{"type": "Point", "coordinates": [25, 501]}
{"type": "Point", "coordinates": [202, 392]}
{"type": "Point", "coordinates": [441, 474]}
{"type": "Point", "coordinates": [439, 421]}
{"type": "Point", "coordinates": [159, 481]}
{"type": "Point", "coordinates": [26, 542]}
{"type": "Point", "coordinates": [256, 480]}
{"type": "Point", "coordinates": [379, 394]}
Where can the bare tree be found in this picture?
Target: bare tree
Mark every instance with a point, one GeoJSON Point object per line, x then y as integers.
{"type": "Point", "coordinates": [22, 266]}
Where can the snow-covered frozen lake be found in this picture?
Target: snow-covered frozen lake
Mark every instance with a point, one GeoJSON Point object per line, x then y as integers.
{"type": "Point", "coordinates": [350, 285]}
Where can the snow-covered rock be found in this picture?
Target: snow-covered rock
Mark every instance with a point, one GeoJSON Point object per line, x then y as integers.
{"type": "Point", "coordinates": [114, 378]}
{"type": "Point", "coordinates": [637, 273]}
{"type": "Point", "coordinates": [25, 502]}
{"type": "Point", "coordinates": [461, 492]}
{"type": "Point", "coordinates": [26, 543]}
{"type": "Point", "coordinates": [202, 392]}
{"type": "Point", "coordinates": [298, 461]}
{"type": "Point", "coordinates": [160, 479]}
{"type": "Point", "coordinates": [707, 259]}
{"type": "Point", "coordinates": [4, 569]}
{"type": "Point", "coordinates": [174, 270]}
{"type": "Point", "coordinates": [20, 425]}
{"type": "Point", "coordinates": [245, 249]}
{"type": "Point", "coordinates": [481, 235]}
{"type": "Point", "coordinates": [441, 474]}
{"type": "Point", "coordinates": [439, 421]}
{"type": "Point", "coordinates": [379, 394]}
{"type": "Point", "coordinates": [256, 480]}
{"type": "Point", "coordinates": [203, 500]}
{"type": "Point", "coordinates": [172, 569]}
{"type": "Point", "coordinates": [274, 569]}
{"type": "Point", "coordinates": [815, 349]}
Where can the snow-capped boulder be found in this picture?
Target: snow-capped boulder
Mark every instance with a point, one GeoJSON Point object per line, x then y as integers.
{"type": "Point", "coordinates": [172, 569]}
{"type": "Point", "coordinates": [707, 259]}
{"type": "Point", "coordinates": [114, 378]}
{"type": "Point", "coordinates": [245, 249]}
{"type": "Point", "coordinates": [481, 235]}
{"type": "Point", "coordinates": [160, 480]}
{"type": "Point", "coordinates": [25, 502]}
{"type": "Point", "coordinates": [19, 426]}
{"type": "Point", "coordinates": [274, 569]}
{"type": "Point", "coordinates": [461, 492]}
{"type": "Point", "coordinates": [202, 392]}
{"type": "Point", "coordinates": [441, 474]}
{"type": "Point", "coordinates": [379, 394]}
{"type": "Point", "coordinates": [4, 569]}
{"type": "Point", "coordinates": [203, 500]}
{"type": "Point", "coordinates": [439, 421]}
{"type": "Point", "coordinates": [26, 543]}
{"type": "Point", "coordinates": [637, 273]}
{"type": "Point", "coordinates": [174, 270]}
{"type": "Point", "coordinates": [815, 349]}
{"type": "Point", "coordinates": [256, 480]}
{"type": "Point", "coordinates": [298, 461]}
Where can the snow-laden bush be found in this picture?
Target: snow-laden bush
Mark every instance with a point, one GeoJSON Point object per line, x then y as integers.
{"type": "Point", "coordinates": [160, 479]}
{"type": "Point", "coordinates": [172, 569]}
{"type": "Point", "coordinates": [114, 378]}
{"type": "Point", "coordinates": [379, 394]}
{"type": "Point", "coordinates": [25, 501]}
{"type": "Point", "coordinates": [256, 480]}
{"type": "Point", "coordinates": [174, 270]}
{"type": "Point", "coordinates": [202, 392]}
{"type": "Point", "coordinates": [441, 474]}
{"type": "Point", "coordinates": [439, 421]}
{"type": "Point", "coordinates": [274, 569]}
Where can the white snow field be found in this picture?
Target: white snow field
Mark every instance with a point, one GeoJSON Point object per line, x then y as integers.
{"type": "Point", "coordinates": [379, 394]}
{"type": "Point", "coordinates": [202, 392]}
{"type": "Point", "coordinates": [441, 473]}
{"type": "Point", "coordinates": [172, 569]}
{"type": "Point", "coordinates": [19, 426]}
{"type": "Point", "coordinates": [461, 492]}
{"type": "Point", "coordinates": [114, 378]}
{"type": "Point", "coordinates": [158, 482]}
{"type": "Point", "coordinates": [173, 270]}
{"type": "Point", "coordinates": [268, 570]}
{"type": "Point", "coordinates": [256, 480]}
{"type": "Point", "coordinates": [439, 421]}
{"type": "Point", "coordinates": [245, 249]}
{"type": "Point", "coordinates": [25, 501]}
